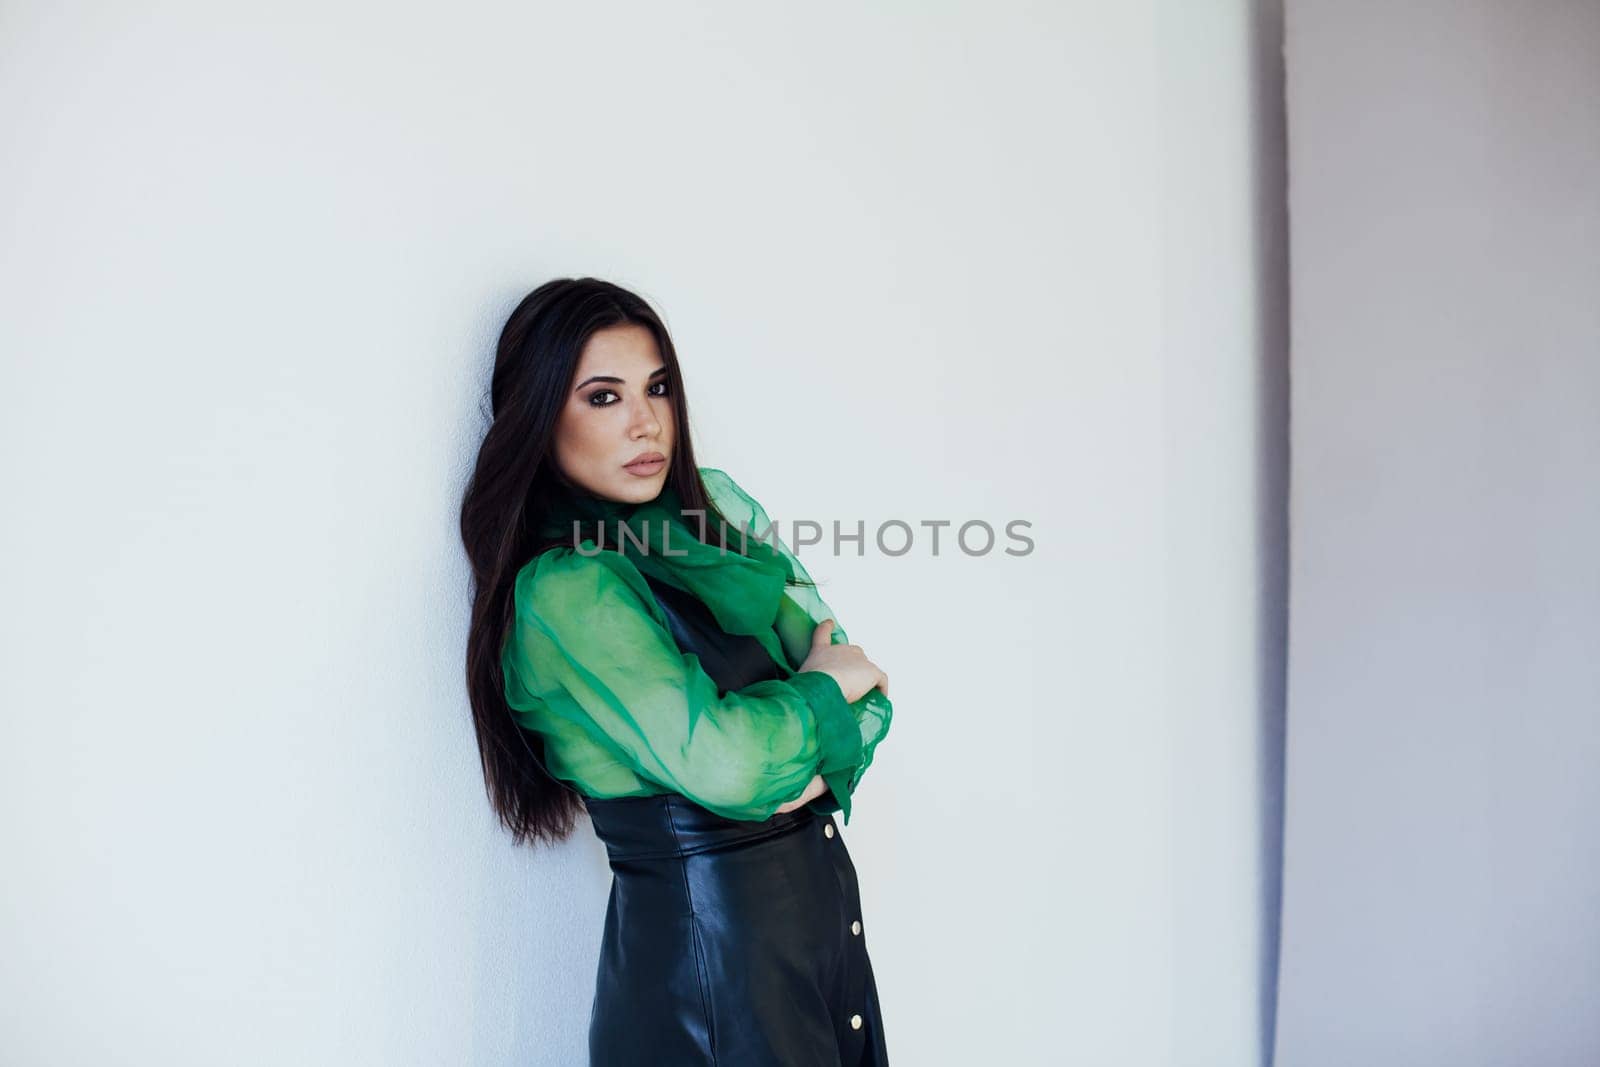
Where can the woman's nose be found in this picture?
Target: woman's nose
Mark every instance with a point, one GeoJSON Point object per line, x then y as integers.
{"type": "Point", "coordinates": [642, 421]}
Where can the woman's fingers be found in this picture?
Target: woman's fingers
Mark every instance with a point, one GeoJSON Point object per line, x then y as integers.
{"type": "Point", "coordinates": [822, 636]}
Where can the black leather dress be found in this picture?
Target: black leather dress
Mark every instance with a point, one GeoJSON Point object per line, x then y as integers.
{"type": "Point", "coordinates": [726, 942]}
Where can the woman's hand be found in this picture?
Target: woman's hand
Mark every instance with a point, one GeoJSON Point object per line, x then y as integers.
{"type": "Point", "coordinates": [814, 789]}
{"type": "Point", "coordinates": [845, 664]}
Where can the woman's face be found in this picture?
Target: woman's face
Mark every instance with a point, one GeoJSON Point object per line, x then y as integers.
{"type": "Point", "coordinates": [617, 412]}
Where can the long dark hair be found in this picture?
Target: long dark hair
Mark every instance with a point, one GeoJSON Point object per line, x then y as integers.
{"type": "Point", "coordinates": [508, 496]}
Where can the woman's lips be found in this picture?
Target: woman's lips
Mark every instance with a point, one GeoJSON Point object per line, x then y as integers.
{"type": "Point", "coordinates": [646, 468]}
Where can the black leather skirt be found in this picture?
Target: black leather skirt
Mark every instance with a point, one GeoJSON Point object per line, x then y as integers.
{"type": "Point", "coordinates": [734, 943]}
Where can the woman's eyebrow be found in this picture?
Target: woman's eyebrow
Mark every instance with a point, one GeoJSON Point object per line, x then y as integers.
{"type": "Point", "coordinates": [658, 372]}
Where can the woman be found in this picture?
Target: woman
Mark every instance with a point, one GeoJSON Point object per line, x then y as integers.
{"type": "Point", "coordinates": [639, 650]}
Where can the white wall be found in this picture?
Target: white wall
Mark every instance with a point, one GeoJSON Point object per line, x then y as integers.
{"type": "Point", "coordinates": [921, 261]}
{"type": "Point", "coordinates": [1441, 862]}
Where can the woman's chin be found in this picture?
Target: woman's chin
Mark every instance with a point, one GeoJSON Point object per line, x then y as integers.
{"type": "Point", "coordinates": [640, 490]}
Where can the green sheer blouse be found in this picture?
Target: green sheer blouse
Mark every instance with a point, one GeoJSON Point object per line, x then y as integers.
{"type": "Point", "coordinates": [591, 666]}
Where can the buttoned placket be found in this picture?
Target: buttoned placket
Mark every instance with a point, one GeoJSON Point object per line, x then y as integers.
{"type": "Point", "coordinates": [856, 967]}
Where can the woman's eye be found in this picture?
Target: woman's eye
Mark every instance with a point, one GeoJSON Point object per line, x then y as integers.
{"type": "Point", "coordinates": [596, 397]}
{"type": "Point", "coordinates": [596, 401]}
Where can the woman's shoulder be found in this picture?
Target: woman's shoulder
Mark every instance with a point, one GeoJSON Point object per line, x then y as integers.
{"type": "Point", "coordinates": [565, 579]}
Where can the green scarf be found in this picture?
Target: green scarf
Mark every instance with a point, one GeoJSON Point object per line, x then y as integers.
{"type": "Point", "coordinates": [742, 592]}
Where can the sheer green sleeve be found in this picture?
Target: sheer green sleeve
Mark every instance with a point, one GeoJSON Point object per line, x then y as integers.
{"type": "Point", "coordinates": [591, 649]}
{"type": "Point", "coordinates": [801, 609]}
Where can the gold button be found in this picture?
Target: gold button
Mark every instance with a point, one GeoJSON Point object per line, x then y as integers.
{"type": "Point", "coordinates": [855, 1022]}
{"type": "Point", "coordinates": [828, 829]}
{"type": "Point", "coordinates": [855, 927]}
